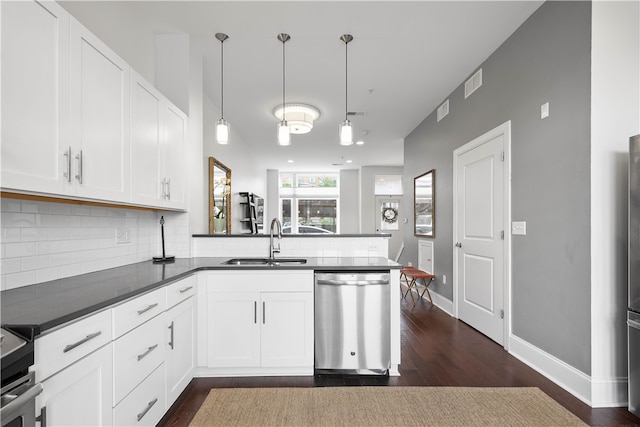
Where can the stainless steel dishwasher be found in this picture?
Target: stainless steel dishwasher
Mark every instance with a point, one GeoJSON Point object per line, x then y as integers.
{"type": "Point", "coordinates": [352, 322]}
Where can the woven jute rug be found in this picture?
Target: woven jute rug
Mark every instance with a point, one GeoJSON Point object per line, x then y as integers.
{"type": "Point", "coordinates": [382, 406]}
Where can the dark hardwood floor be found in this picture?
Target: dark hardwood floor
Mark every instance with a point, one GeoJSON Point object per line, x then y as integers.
{"type": "Point", "coordinates": [437, 350]}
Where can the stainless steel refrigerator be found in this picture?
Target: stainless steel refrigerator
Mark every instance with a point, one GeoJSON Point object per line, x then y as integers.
{"type": "Point", "coordinates": [633, 313]}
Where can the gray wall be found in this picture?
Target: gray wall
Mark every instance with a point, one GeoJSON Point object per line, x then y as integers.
{"type": "Point", "coordinates": [546, 60]}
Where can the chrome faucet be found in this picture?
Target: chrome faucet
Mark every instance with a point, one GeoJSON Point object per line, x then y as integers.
{"type": "Point", "coordinates": [275, 223]}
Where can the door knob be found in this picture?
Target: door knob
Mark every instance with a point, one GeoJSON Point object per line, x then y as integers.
{"type": "Point", "coordinates": [458, 245]}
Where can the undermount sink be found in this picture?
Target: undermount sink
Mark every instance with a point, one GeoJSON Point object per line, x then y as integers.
{"type": "Point", "coordinates": [264, 261]}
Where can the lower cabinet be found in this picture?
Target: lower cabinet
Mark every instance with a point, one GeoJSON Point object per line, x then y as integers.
{"type": "Point", "coordinates": [180, 354]}
{"type": "Point", "coordinates": [80, 394]}
{"type": "Point", "coordinates": [145, 405]}
{"type": "Point", "coordinates": [265, 330]}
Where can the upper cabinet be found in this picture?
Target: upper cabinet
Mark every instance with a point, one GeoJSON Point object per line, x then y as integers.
{"type": "Point", "coordinates": [35, 97]}
{"type": "Point", "coordinates": [99, 106]}
{"type": "Point", "coordinates": [78, 122]}
{"type": "Point", "coordinates": [158, 132]}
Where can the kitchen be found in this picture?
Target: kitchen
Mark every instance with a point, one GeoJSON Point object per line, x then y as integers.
{"type": "Point", "coordinates": [593, 373]}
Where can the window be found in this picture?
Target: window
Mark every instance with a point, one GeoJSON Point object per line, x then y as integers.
{"type": "Point", "coordinates": [309, 203]}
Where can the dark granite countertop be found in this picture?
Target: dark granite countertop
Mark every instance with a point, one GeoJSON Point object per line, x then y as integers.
{"type": "Point", "coordinates": [46, 305]}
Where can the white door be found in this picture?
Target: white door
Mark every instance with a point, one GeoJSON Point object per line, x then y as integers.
{"type": "Point", "coordinates": [180, 354]}
{"type": "Point", "coordinates": [479, 231]}
{"type": "Point", "coordinates": [287, 329]}
{"type": "Point", "coordinates": [99, 106]}
{"type": "Point", "coordinates": [175, 125]}
{"type": "Point", "coordinates": [35, 117]}
{"type": "Point", "coordinates": [233, 328]}
{"type": "Point", "coordinates": [80, 395]}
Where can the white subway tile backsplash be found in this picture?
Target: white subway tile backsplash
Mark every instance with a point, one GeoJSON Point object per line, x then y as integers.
{"type": "Point", "coordinates": [43, 241]}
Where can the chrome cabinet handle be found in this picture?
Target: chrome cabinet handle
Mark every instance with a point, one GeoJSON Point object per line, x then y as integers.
{"type": "Point", "coordinates": [146, 353]}
{"type": "Point", "coordinates": [144, 310]}
{"type": "Point", "coordinates": [149, 406]}
{"type": "Point", "coordinates": [171, 337]}
{"type": "Point", "coordinates": [255, 312]}
{"type": "Point", "coordinates": [67, 174]}
{"type": "Point", "coordinates": [264, 318]}
{"type": "Point", "coordinates": [168, 189]}
{"type": "Point", "coordinates": [82, 341]}
{"type": "Point", "coordinates": [79, 159]}
{"type": "Point", "coordinates": [42, 418]}
{"type": "Point", "coordinates": [182, 291]}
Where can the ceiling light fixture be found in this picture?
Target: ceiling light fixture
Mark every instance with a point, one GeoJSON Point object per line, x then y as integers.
{"type": "Point", "coordinates": [346, 131]}
{"type": "Point", "coordinates": [284, 133]}
{"type": "Point", "coordinates": [299, 116]}
{"type": "Point", "coordinates": [222, 126]}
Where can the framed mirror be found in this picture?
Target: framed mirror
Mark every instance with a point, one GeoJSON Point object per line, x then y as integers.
{"type": "Point", "coordinates": [424, 196]}
{"type": "Point", "coordinates": [219, 197]}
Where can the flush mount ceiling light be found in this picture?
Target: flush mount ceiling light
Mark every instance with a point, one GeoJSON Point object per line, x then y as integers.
{"type": "Point", "coordinates": [299, 116]}
{"type": "Point", "coordinates": [222, 127]}
{"type": "Point", "coordinates": [284, 131]}
{"type": "Point", "coordinates": [346, 130]}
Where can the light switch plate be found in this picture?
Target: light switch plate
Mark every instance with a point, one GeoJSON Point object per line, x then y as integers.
{"type": "Point", "coordinates": [544, 110]}
{"type": "Point", "coordinates": [519, 228]}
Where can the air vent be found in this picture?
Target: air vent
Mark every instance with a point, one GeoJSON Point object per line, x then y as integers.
{"type": "Point", "coordinates": [443, 110]}
{"type": "Point", "coordinates": [356, 113]}
{"type": "Point", "coordinates": [473, 83]}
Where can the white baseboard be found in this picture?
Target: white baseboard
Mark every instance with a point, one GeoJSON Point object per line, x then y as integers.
{"type": "Point", "coordinates": [597, 393]}
{"type": "Point", "coordinates": [442, 303]}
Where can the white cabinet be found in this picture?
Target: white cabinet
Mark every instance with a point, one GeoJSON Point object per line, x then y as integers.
{"type": "Point", "coordinates": [145, 405]}
{"type": "Point", "coordinates": [35, 96]}
{"type": "Point", "coordinates": [158, 132]}
{"type": "Point", "coordinates": [99, 109]}
{"type": "Point", "coordinates": [260, 322]}
{"type": "Point", "coordinates": [79, 395]}
{"type": "Point", "coordinates": [75, 367]}
{"type": "Point", "coordinates": [180, 354]}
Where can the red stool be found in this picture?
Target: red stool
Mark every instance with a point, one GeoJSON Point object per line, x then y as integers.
{"type": "Point", "coordinates": [416, 279]}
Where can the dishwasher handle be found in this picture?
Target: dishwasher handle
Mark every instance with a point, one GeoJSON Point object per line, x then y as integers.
{"type": "Point", "coordinates": [355, 279]}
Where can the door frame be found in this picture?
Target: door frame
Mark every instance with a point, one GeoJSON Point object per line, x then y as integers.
{"type": "Point", "coordinates": [503, 129]}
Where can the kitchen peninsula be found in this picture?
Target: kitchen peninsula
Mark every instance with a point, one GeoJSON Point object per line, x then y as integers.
{"type": "Point", "coordinates": [140, 332]}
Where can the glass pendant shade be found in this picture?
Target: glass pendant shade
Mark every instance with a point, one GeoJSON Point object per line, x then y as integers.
{"type": "Point", "coordinates": [346, 133]}
{"type": "Point", "coordinates": [284, 134]}
{"type": "Point", "coordinates": [222, 132]}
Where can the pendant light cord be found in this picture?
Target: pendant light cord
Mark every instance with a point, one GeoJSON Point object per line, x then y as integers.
{"type": "Point", "coordinates": [346, 80]}
{"type": "Point", "coordinates": [222, 77]}
{"type": "Point", "coordinates": [284, 111]}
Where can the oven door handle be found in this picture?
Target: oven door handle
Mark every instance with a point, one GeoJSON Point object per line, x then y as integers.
{"type": "Point", "coordinates": [14, 407]}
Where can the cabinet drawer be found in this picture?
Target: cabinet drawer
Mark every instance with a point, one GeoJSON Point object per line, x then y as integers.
{"type": "Point", "coordinates": [61, 348]}
{"type": "Point", "coordinates": [137, 311]}
{"type": "Point", "coordinates": [145, 405]}
{"type": "Point", "coordinates": [180, 290]}
{"type": "Point", "coordinates": [136, 355]}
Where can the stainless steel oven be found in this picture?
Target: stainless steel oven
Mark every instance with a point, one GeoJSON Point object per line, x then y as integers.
{"type": "Point", "coordinates": [19, 389]}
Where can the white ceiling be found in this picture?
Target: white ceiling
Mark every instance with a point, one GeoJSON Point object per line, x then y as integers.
{"type": "Point", "coordinates": [406, 57]}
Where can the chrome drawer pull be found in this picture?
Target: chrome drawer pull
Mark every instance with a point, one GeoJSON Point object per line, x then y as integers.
{"type": "Point", "coordinates": [171, 340]}
{"type": "Point", "coordinates": [149, 406]}
{"type": "Point", "coordinates": [144, 310]}
{"type": "Point", "coordinates": [82, 341]}
{"type": "Point", "coordinates": [149, 350]}
{"type": "Point", "coordinates": [182, 291]}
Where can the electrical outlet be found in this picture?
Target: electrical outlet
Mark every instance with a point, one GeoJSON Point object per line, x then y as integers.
{"type": "Point", "coordinates": [444, 279]}
{"type": "Point", "coordinates": [123, 235]}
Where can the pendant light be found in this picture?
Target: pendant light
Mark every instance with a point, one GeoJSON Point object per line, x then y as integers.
{"type": "Point", "coordinates": [222, 126]}
{"type": "Point", "coordinates": [346, 131]}
{"type": "Point", "coordinates": [284, 133]}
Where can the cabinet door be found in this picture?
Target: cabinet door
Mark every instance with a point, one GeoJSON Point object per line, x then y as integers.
{"type": "Point", "coordinates": [99, 105]}
{"type": "Point", "coordinates": [35, 131]}
{"type": "Point", "coordinates": [287, 329]}
{"type": "Point", "coordinates": [80, 395]}
{"type": "Point", "coordinates": [174, 157]}
{"type": "Point", "coordinates": [146, 134]}
{"type": "Point", "coordinates": [180, 356]}
{"type": "Point", "coordinates": [233, 328]}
